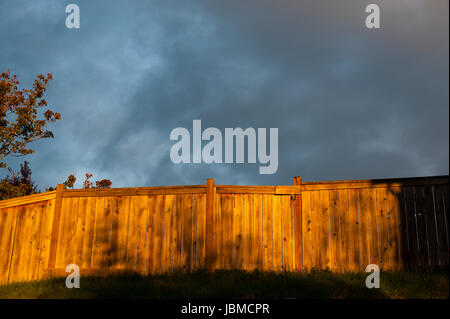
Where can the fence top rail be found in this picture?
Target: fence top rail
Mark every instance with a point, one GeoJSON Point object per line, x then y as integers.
{"type": "Point", "coordinates": [246, 189]}
{"type": "Point", "coordinates": [29, 199]}
{"type": "Point", "coordinates": [230, 189]}
{"type": "Point", "coordinates": [377, 183]}
{"type": "Point", "coordinates": [136, 191]}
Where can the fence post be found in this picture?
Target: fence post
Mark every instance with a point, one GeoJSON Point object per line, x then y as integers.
{"type": "Point", "coordinates": [55, 227]}
{"type": "Point", "coordinates": [210, 195]}
{"type": "Point", "coordinates": [298, 225]}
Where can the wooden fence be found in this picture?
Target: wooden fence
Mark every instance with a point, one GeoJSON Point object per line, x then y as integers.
{"type": "Point", "coordinates": [398, 224]}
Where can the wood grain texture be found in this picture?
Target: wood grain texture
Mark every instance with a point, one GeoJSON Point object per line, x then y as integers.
{"type": "Point", "coordinates": [343, 226]}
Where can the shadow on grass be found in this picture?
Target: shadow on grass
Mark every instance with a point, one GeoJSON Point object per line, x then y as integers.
{"type": "Point", "coordinates": [239, 284]}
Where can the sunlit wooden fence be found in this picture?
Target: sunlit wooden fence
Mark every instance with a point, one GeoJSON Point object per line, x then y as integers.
{"type": "Point", "coordinates": [398, 224]}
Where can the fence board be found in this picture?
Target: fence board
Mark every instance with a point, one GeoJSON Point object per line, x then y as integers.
{"type": "Point", "coordinates": [439, 195]}
{"type": "Point", "coordinates": [307, 241]}
{"type": "Point", "coordinates": [8, 226]}
{"type": "Point", "coordinates": [268, 232]}
{"type": "Point", "coordinates": [430, 227]}
{"type": "Point", "coordinates": [177, 240]}
{"type": "Point", "coordinates": [226, 252]}
{"type": "Point", "coordinates": [123, 208]}
{"type": "Point", "coordinates": [80, 231]}
{"type": "Point", "coordinates": [158, 238]}
{"type": "Point", "coordinates": [258, 229]}
{"type": "Point", "coordinates": [100, 235]}
{"type": "Point", "coordinates": [336, 235]}
{"type": "Point", "coordinates": [187, 234]}
{"type": "Point", "coordinates": [239, 230]}
{"type": "Point", "coordinates": [46, 237]}
{"type": "Point", "coordinates": [33, 273]}
{"type": "Point", "coordinates": [412, 226]}
{"type": "Point", "coordinates": [169, 224]}
{"type": "Point", "coordinates": [287, 236]}
{"type": "Point", "coordinates": [364, 230]}
{"type": "Point", "coordinates": [20, 246]}
{"type": "Point", "coordinates": [151, 233]}
{"type": "Point", "coordinates": [422, 233]}
{"type": "Point", "coordinates": [343, 196]}
{"type": "Point", "coordinates": [374, 237]}
{"type": "Point", "coordinates": [277, 233]}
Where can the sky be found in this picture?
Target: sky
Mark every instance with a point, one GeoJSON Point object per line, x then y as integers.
{"type": "Point", "coordinates": [349, 102]}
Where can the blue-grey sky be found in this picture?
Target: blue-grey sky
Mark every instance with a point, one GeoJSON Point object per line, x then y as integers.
{"type": "Point", "coordinates": [349, 102]}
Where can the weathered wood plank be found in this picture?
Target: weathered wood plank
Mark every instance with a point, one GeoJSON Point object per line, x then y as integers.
{"type": "Point", "coordinates": [396, 224]}
{"type": "Point", "coordinates": [37, 241]}
{"type": "Point", "coordinates": [258, 231]}
{"type": "Point", "coordinates": [277, 233]}
{"type": "Point", "coordinates": [141, 211]}
{"type": "Point", "coordinates": [336, 264]}
{"type": "Point", "coordinates": [209, 222]}
{"type": "Point", "coordinates": [178, 239]}
{"type": "Point", "coordinates": [114, 203]}
{"type": "Point", "coordinates": [186, 256]}
{"type": "Point", "coordinates": [298, 228]}
{"type": "Point", "coordinates": [439, 195]}
{"type": "Point", "coordinates": [46, 237]}
{"type": "Point", "coordinates": [374, 227]}
{"type": "Point", "coordinates": [421, 227]}
{"type": "Point", "coordinates": [20, 246]}
{"type": "Point", "coordinates": [9, 219]}
{"type": "Point", "coordinates": [123, 209]}
{"type": "Point", "coordinates": [346, 221]}
{"type": "Point", "coordinates": [286, 232]}
{"type": "Point", "coordinates": [201, 235]}
{"type": "Point", "coordinates": [307, 240]}
{"type": "Point", "coordinates": [268, 232]}
{"type": "Point", "coordinates": [227, 231]}
{"type": "Point", "coordinates": [412, 226]}
{"type": "Point", "coordinates": [355, 240]}
{"type": "Point", "coordinates": [216, 237]}
{"type": "Point", "coordinates": [364, 230]}
{"type": "Point", "coordinates": [100, 235]}
{"type": "Point", "coordinates": [238, 204]}
{"type": "Point", "coordinates": [169, 223]}
{"type": "Point", "coordinates": [384, 228]}
{"type": "Point", "coordinates": [431, 227]}
{"type": "Point", "coordinates": [80, 232]}
{"type": "Point", "coordinates": [71, 231]}
{"type": "Point", "coordinates": [151, 231]}
{"type": "Point", "coordinates": [316, 213]}
{"type": "Point", "coordinates": [324, 205]}
{"type": "Point", "coordinates": [194, 232]}
{"type": "Point", "coordinates": [158, 238]}
{"type": "Point", "coordinates": [62, 226]}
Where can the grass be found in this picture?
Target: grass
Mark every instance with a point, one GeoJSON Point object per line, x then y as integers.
{"type": "Point", "coordinates": [239, 284]}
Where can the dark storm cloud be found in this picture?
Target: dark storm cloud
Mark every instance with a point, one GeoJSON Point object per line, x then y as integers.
{"type": "Point", "coordinates": [349, 102]}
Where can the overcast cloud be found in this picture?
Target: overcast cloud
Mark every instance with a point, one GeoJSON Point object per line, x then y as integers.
{"type": "Point", "coordinates": [349, 102]}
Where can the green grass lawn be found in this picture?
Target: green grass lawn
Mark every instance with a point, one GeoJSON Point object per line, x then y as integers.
{"type": "Point", "coordinates": [238, 284]}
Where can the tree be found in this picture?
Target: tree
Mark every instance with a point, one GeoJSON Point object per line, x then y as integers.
{"type": "Point", "coordinates": [19, 121]}
{"type": "Point", "coordinates": [70, 181]}
{"type": "Point", "coordinates": [87, 184]}
{"type": "Point", "coordinates": [103, 184]}
{"type": "Point", "coordinates": [18, 184]}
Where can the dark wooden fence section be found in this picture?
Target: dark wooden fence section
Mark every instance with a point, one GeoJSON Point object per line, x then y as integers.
{"type": "Point", "coordinates": [398, 224]}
